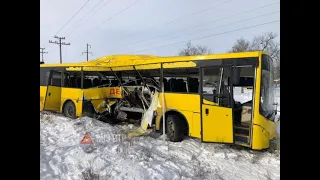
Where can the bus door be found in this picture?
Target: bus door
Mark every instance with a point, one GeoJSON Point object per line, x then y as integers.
{"type": "Point", "coordinates": [53, 94]}
{"type": "Point", "coordinates": [216, 107]}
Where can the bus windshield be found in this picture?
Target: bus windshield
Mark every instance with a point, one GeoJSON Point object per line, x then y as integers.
{"type": "Point", "coordinates": [267, 88]}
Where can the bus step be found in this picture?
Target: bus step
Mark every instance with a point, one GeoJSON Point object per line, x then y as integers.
{"type": "Point", "coordinates": [242, 131]}
{"type": "Point", "coordinates": [242, 144]}
{"type": "Point", "coordinates": [242, 138]}
{"type": "Point", "coordinates": [241, 126]}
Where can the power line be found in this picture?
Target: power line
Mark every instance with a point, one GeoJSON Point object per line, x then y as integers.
{"type": "Point", "coordinates": [214, 27]}
{"type": "Point", "coordinates": [87, 52]}
{"type": "Point", "coordinates": [109, 18]}
{"type": "Point", "coordinates": [69, 32]}
{"type": "Point", "coordinates": [202, 24]}
{"type": "Point", "coordinates": [60, 43]}
{"type": "Point", "coordinates": [87, 18]}
{"type": "Point", "coordinates": [208, 36]}
{"type": "Point", "coordinates": [42, 52]}
{"type": "Point", "coordinates": [192, 14]}
{"type": "Point", "coordinates": [73, 16]}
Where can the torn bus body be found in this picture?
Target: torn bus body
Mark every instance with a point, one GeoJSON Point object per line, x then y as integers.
{"type": "Point", "coordinates": [120, 103]}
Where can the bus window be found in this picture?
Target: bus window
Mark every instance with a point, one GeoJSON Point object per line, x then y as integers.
{"type": "Point", "coordinates": [181, 80]}
{"type": "Point", "coordinates": [215, 87]}
{"type": "Point", "coordinates": [72, 80]}
{"type": "Point", "coordinates": [56, 79]}
{"type": "Point", "coordinates": [44, 76]}
{"type": "Point", "coordinates": [267, 89]}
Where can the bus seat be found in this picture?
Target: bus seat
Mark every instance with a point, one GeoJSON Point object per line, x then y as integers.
{"type": "Point", "coordinates": [182, 86]}
{"type": "Point", "coordinates": [105, 81]}
{"type": "Point", "coordinates": [66, 82]}
{"type": "Point", "coordinates": [96, 82]}
{"type": "Point", "coordinates": [87, 83]}
{"type": "Point", "coordinates": [166, 84]}
{"type": "Point", "coordinates": [72, 82]}
{"type": "Point", "coordinates": [78, 82]}
{"type": "Point", "coordinates": [114, 83]}
{"type": "Point", "coordinates": [193, 84]}
{"type": "Point", "coordinates": [173, 84]}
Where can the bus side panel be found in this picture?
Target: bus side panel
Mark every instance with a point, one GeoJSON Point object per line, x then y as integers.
{"type": "Point", "coordinates": [98, 95]}
{"type": "Point", "coordinates": [182, 103]}
{"type": "Point", "coordinates": [43, 92]}
{"type": "Point", "coordinates": [196, 126]}
{"type": "Point", "coordinates": [260, 140]}
{"type": "Point", "coordinates": [189, 116]}
{"type": "Point", "coordinates": [94, 93]}
{"type": "Point", "coordinates": [102, 93]}
{"type": "Point", "coordinates": [266, 132]}
{"type": "Point", "coordinates": [73, 94]}
{"type": "Point", "coordinates": [268, 125]}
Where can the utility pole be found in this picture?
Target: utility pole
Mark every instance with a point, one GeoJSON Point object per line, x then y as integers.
{"type": "Point", "coordinates": [60, 43]}
{"type": "Point", "coordinates": [87, 52]}
{"type": "Point", "coordinates": [42, 52]}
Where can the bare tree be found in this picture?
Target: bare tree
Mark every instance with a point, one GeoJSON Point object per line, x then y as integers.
{"type": "Point", "coordinates": [266, 42]}
{"type": "Point", "coordinates": [241, 45]}
{"type": "Point", "coordinates": [190, 50]}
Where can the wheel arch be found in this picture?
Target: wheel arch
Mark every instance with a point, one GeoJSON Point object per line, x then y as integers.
{"type": "Point", "coordinates": [65, 102]}
{"type": "Point", "coordinates": [178, 113]}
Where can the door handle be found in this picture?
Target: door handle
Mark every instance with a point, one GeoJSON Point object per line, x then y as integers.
{"type": "Point", "coordinates": [49, 94]}
{"type": "Point", "coordinates": [207, 111]}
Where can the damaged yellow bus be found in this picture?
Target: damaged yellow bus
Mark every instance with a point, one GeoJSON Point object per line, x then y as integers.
{"type": "Point", "coordinates": [196, 94]}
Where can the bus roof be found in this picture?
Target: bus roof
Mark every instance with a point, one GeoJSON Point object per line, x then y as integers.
{"type": "Point", "coordinates": [131, 60]}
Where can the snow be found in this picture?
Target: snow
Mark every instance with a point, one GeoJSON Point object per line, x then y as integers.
{"type": "Point", "coordinates": [118, 156]}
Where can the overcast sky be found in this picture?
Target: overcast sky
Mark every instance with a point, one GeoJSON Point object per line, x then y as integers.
{"type": "Point", "coordinates": [156, 27]}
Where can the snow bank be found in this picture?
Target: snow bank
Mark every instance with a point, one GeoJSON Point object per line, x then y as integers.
{"type": "Point", "coordinates": [117, 156]}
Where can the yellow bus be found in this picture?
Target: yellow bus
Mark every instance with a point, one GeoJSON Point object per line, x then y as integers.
{"type": "Point", "coordinates": [198, 94]}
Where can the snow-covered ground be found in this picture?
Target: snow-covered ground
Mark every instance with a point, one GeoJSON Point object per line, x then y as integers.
{"type": "Point", "coordinates": [117, 156]}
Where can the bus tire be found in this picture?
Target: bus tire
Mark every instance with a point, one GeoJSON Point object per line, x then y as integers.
{"type": "Point", "coordinates": [69, 110]}
{"type": "Point", "coordinates": [175, 128]}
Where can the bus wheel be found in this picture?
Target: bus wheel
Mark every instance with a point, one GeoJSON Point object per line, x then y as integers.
{"type": "Point", "coordinates": [69, 110]}
{"type": "Point", "coordinates": [175, 128]}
